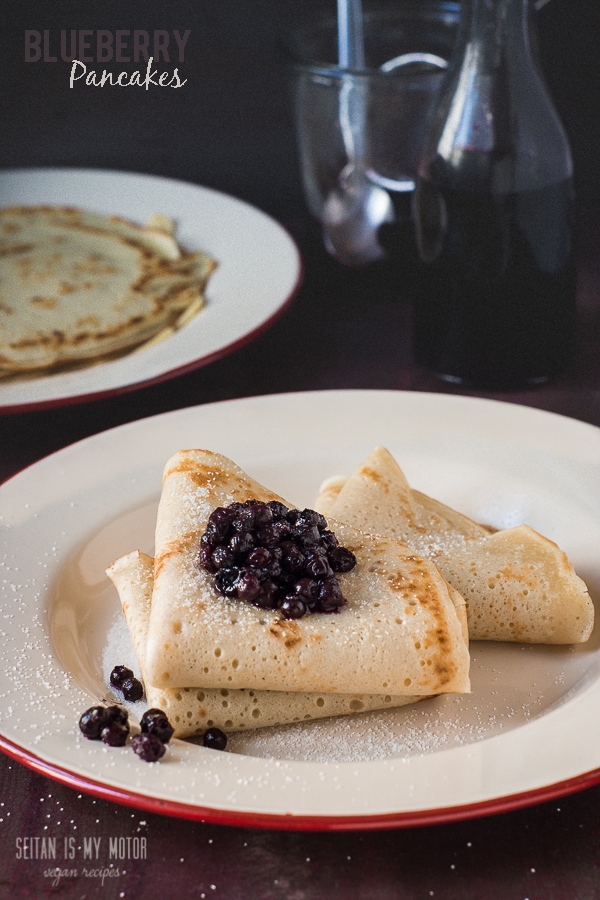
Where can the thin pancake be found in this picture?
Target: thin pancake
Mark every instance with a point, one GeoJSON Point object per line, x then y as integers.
{"type": "Point", "coordinates": [400, 633]}
{"type": "Point", "coordinates": [76, 286]}
{"type": "Point", "coordinates": [192, 711]}
{"type": "Point", "coordinates": [518, 585]}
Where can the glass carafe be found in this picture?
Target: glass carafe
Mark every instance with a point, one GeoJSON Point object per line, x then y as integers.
{"type": "Point", "coordinates": [493, 210]}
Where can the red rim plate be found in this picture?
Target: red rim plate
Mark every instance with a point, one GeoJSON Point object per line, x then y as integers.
{"type": "Point", "coordinates": [291, 822]}
{"type": "Point", "coordinates": [171, 373]}
{"type": "Point", "coordinates": [214, 356]}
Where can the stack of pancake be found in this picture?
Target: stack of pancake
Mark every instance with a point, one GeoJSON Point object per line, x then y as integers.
{"type": "Point", "coordinates": [77, 287]}
{"type": "Point", "coordinates": [210, 660]}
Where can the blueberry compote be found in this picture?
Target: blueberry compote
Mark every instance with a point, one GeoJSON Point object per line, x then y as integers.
{"type": "Point", "coordinates": [275, 558]}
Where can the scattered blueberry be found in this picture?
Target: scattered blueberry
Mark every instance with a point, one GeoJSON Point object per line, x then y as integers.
{"type": "Point", "coordinates": [115, 734]}
{"type": "Point", "coordinates": [132, 689]}
{"type": "Point", "coordinates": [148, 747]}
{"type": "Point", "coordinates": [117, 714]}
{"type": "Point", "coordinates": [120, 674]}
{"type": "Point", "coordinates": [93, 721]}
{"type": "Point", "coordinates": [110, 724]}
{"type": "Point", "coordinates": [97, 718]}
{"type": "Point", "coordinates": [155, 722]}
{"type": "Point", "coordinates": [214, 739]}
{"type": "Point", "coordinates": [275, 557]}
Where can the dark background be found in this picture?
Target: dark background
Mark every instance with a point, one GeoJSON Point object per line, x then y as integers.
{"type": "Point", "coordinates": [230, 127]}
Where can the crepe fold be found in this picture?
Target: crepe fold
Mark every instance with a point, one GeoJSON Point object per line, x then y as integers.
{"type": "Point", "coordinates": [518, 585]}
{"type": "Point", "coordinates": [190, 710]}
{"type": "Point", "coordinates": [401, 632]}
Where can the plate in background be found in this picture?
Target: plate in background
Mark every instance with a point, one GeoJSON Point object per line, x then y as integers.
{"type": "Point", "coordinates": [259, 271]}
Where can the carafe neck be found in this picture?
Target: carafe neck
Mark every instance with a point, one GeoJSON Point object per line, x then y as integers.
{"type": "Point", "coordinates": [495, 127]}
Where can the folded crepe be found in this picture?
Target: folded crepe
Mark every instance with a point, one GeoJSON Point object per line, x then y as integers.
{"type": "Point", "coordinates": [191, 711]}
{"type": "Point", "coordinates": [399, 634]}
{"type": "Point", "coordinates": [518, 585]}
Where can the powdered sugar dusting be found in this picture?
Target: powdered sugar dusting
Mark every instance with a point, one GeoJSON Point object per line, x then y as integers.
{"type": "Point", "coordinates": [511, 685]}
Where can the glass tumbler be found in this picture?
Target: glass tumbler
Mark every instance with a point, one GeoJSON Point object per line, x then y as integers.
{"type": "Point", "coordinates": [359, 133]}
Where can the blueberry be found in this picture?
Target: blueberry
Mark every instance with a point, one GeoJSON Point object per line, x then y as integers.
{"type": "Point", "coordinates": [214, 739]}
{"type": "Point", "coordinates": [154, 721]}
{"type": "Point", "coordinates": [286, 579]}
{"type": "Point", "coordinates": [132, 689]}
{"type": "Point", "coordinates": [96, 718]}
{"type": "Point", "coordinates": [218, 525]}
{"type": "Point", "coordinates": [311, 517]}
{"type": "Point", "coordinates": [278, 509]}
{"type": "Point", "coordinates": [93, 721]}
{"type": "Point", "coordinates": [273, 569]}
{"type": "Point", "coordinates": [248, 587]}
{"type": "Point", "coordinates": [117, 714]}
{"type": "Point", "coordinates": [244, 520]}
{"type": "Point", "coordinates": [263, 514]}
{"type": "Point", "coordinates": [342, 559]}
{"type": "Point", "coordinates": [241, 542]}
{"type": "Point", "coordinates": [330, 596]}
{"type": "Point", "coordinates": [115, 734]}
{"type": "Point", "coordinates": [259, 557]}
{"type": "Point", "coordinates": [226, 581]}
{"type": "Point", "coordinates": [269, 595]}
{"type": "Point", "coordinates": [292, 607]}
{"type": "Point", "coordinates": [148, 747]}
{"type": "Point", "coordinates": [221, 516]}
{"type": "Point", "coordinates": [215, 536]}
{"type": "Point", "coordinates": [271, 535]}
{"type": "Point", "coordinates": [307, 589]}
{"type": "Point", "coordinates": [317, 566]}
{"type": "Point", "coordinates": [222, 557]}
{"type": "Point", "coordinates": [305, 533]}
{"type": "Point", "coordinates": [293, 558]}
{"type": "Point", "coordinates": [120, 674]}
{"type": "Point", "coordinates": [205, 560]}
{"type": "Point", "coordinates": [329, 540]}
{"type": "Point", "coordinates": [275, 557]}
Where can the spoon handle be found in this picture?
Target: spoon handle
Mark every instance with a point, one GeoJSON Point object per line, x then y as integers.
{"type": "Point", "coordinates": [351, 51]}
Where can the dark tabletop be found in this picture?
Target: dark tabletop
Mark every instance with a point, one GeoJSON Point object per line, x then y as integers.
{"type": "Point", "coordinates": [230, 128]}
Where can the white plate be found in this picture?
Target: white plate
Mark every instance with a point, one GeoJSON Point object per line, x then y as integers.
{"type": "Point", "coordinates": [531, 729]}
{"type": "Point", "coordinates": [258, 274]}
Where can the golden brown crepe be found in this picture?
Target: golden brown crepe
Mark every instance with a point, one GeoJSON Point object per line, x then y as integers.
{"type": "Point", "coordinates": [190, 710]}
{"type": "Point", "coordinates": [518, 585]}
{"type": "Point", "coordinates": [400, 634]}
{"type": "Point", "coordinates": [77, 286]}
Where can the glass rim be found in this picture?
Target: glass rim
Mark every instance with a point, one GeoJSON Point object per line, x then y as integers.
{"type": "Point", "coordinates": [338, 73]}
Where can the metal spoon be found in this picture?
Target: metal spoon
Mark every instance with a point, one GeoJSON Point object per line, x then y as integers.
{"type": "Point", "coordinates": [356, 208]}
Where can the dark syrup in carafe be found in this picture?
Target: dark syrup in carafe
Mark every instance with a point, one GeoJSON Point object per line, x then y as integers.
{"type": "Point", "coordinates": [495, 306]}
